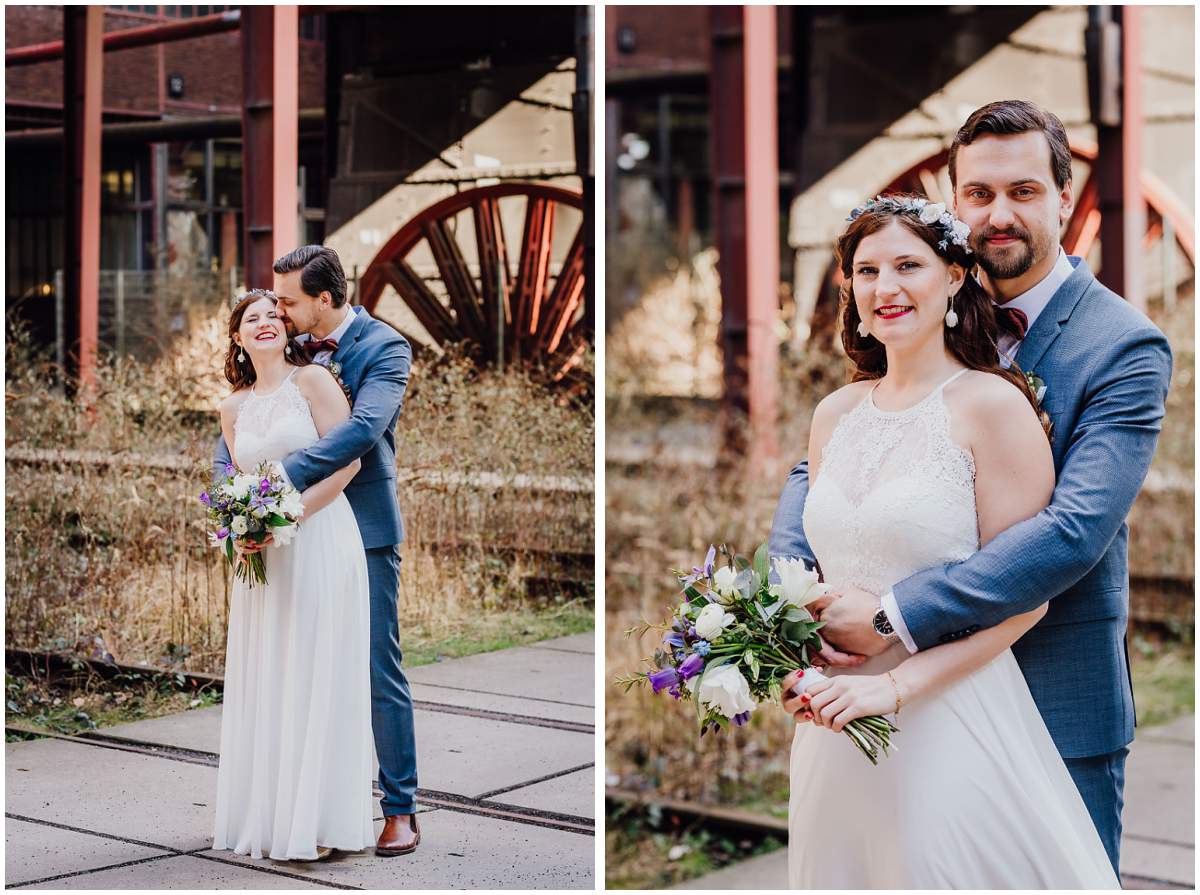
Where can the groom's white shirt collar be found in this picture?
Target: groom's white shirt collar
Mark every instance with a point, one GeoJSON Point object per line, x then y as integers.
{"type": "Point", "coordinates": [1033, 302]}
{"type": "Point", "coordinates": [339, 333]}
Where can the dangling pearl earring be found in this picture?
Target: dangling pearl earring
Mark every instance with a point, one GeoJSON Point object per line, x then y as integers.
{"type": "Point", "coordinates": [951, 317]}
{"type": "Point", "coordinates": [287, 349]}
{"type": "Point", "coordinates": [241, 358]}
{"type": "Point", "coordinates": [862, 329]}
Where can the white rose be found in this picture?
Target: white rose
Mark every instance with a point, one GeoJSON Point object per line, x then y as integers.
{"type": "Point", "coordinates": [933, 212]}
{"type": "Point", "coordinates": [725, 689]}
{"type": "Point", "coordinates": [798, 585]}
{"type": "Point", "coordinates": [961, 230]}
{"type": "Point", "coordinates": [723, 588]}
{"type": "Point", "coordinates": [244, 485]}
{"type": "Point", "coordinates": [283, 534]}
{"type": "Point", "coordinates": [291, 504]}
{"type": "Point", "coordinates": [239, 525]}
{"type": "Point", "coordinates": [712, 621]}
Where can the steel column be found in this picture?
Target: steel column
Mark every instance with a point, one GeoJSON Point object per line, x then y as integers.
{"type": "Point", "coordinates": [762, 233]}
{"type": "Point", "coordinates": [83, 74]}
{"type": "Point", "coordinates": [743, 119]}
{"type": "Point", "coordinates": [270, 85]}
{"type": "Point", "coordinates": [1114, 58]}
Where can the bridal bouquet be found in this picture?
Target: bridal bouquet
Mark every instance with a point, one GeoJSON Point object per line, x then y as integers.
{"type": "Point", "coordinates": [734, 637]}
{"type": "Point", "coordinates": [251, 506]}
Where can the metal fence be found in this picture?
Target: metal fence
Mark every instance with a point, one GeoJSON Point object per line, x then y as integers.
{"type": "Point", "coordinates": [142, 312]}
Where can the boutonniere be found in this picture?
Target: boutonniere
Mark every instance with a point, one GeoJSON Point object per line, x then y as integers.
{"type": "Point", "coordinates": [336, 369]}
{"type": "Point", "coordinates": [1037, 386]}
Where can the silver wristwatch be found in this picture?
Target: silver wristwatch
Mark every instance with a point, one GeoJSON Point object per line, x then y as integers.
{"type": "Point", "coordinates": [883, 627]}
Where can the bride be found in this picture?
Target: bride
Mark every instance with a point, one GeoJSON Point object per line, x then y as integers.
{"type": "Point", "coordinates": [929, 453]}
{"type": "Point", "coordinates": [296, 748]}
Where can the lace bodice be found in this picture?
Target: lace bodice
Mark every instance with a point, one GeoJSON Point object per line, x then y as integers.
{"type": "Point", "coordinates": [271, 426]}
{"type": "Point", "coordinates": [894, 494]}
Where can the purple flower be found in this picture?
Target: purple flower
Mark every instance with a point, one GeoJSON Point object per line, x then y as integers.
{"type": "Point", "coordinates": [702, 647]}
{"type": "Point", "coordinates": [676, 691]}
{"type": "Point", "coordinates": [674, 638]}
{"type": "Point", "coordinates": [660, 680]}
{"type": "Point", "coordinates": [741, 719]}
{"type": "Point", "coordinates": [709, 561]}
{"type": "Point", "coordinates": [222, 532]}
{"type": "Point", "coordinates": [265, 486]}
{"type": "Point", "coordinates": [205, 499]}
{"type": "Point", "coordinates": [691, 666]}
{"type": "Point", "coordinates": [230, 470]}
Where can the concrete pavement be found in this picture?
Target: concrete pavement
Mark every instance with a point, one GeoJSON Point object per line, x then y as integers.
{"type": "Point", "coordinates": [506, 754]}
{"type": "Point", "coordinates": [1158, 845]}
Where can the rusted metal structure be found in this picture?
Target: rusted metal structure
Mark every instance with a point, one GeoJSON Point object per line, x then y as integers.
{"type": "Point", "coordinates": [746, 197]}
{"type": "Point", "coordinates": [1114, 54]}
{"type": "Point", "coordinates": [490, 60]}
{"type": "Point", "coordinates": [82, 81]}
{"type": "Point", "coordinates": [132, 37]}
{"type": "Point", "coordinates": [270, 116]}
{"type": "Point", "coordinates": [532, 316]}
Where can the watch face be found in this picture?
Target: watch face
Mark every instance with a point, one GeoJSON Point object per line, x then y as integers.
{"type": "Point", "coordinates": [881, 623]}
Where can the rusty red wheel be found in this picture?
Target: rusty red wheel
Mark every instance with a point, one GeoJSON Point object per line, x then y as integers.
{"type": "Point", "coordinates": [451, 265]}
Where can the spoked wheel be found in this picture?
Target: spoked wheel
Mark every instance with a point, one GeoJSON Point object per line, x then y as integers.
{"type": "Point", "coordinates": [452, 265]}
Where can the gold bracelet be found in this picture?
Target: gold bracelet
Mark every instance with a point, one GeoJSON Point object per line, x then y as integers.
{"type": "Point", "coordinates": [895, 687]}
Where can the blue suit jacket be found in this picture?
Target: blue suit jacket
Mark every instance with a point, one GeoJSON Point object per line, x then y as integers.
{"type": "Point", "coordinates": [375, 362]}
{"type": "Point", "coordinates": [1106, 368]}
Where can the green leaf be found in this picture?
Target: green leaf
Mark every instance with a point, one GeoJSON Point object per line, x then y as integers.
{"type": "Point", "coordinates": [691, 593]}
{"type": "Point", "coordinates": [740, 563]}
{"type": "Point", "coordinates": [762, 562]}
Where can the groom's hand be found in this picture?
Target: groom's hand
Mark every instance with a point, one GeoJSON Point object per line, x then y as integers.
{"type": "Point", "coordinates": [848, 623]}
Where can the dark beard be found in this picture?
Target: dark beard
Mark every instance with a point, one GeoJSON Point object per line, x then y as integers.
{"type": "Point", "coordinates": [1009, 266]}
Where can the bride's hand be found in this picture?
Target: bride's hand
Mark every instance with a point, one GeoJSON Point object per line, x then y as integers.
{"type": "Point", "coordinates": [838, 701]}
{"type": "Point", "coordinates": [244, 545]}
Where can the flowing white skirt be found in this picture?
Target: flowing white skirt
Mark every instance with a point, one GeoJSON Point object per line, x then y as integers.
{"type": "Point", "coordinates": [296, 747]}
{"type": "Point", "coordinates": [976, 797]}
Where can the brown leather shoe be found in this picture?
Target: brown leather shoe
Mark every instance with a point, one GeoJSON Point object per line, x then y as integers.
{"type": "Point", "coordinates": [398, 837]}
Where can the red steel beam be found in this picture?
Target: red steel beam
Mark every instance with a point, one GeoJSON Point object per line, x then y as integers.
{"type": "Point", "coordinates": [743, 100]}
{"type": "Point", "coordinates": [1118, 116]}
{"type": "Point", "coordinates": [762, 234]}
{"type": "Point", "coordinates": [270, 85]}
{"type": "Point", "coordinates": [149, 35]}
{"type": "Point", "coordinates": [83, 82]}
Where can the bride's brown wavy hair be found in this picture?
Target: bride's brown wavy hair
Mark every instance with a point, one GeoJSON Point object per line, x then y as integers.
{"type": "Point", "coordinates": [972, 341]}
{"type": "Point", "coordinates": [241, 373]}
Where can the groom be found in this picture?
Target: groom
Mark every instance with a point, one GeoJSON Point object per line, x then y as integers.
{"type": "Point", "coordinates": [371, 360]}
{"type": "Point", "coordinates": [1106, 369]}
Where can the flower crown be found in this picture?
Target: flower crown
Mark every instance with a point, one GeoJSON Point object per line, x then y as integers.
{"type": "Point", "coordinates": [935, 213]}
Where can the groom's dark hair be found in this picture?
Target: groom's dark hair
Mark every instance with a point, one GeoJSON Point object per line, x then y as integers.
{"type": "Point", "coordinates": [1016, 116]}
{"type": "Point", "coordinates": [320, 271]}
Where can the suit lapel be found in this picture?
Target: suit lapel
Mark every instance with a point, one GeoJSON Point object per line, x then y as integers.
{"type": "Point", "coordinates": [1049, 323]}
{"type": "Point", "coordinates": [353, 334]}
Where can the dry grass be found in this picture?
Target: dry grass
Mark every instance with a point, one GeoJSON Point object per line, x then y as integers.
{"type": "Point", "coordinates": [116, 556]}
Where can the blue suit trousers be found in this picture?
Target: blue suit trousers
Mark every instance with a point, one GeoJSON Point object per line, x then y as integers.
{"type": "Point", "coordinates": [391, 700]}
{"type": "Point", "coordinates": [1100, 779]}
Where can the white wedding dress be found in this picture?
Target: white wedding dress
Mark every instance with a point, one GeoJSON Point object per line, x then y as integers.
{"type": "Point", "coordinates": [975, 796]}
{"type": "Point", "coordinates": [296, 747]}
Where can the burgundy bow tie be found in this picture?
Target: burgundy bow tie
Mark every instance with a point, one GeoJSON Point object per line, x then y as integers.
{"type": "Point", "coordinates": [313, 346]}
{"type": "Point", "coordinates": [1013, 321]}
